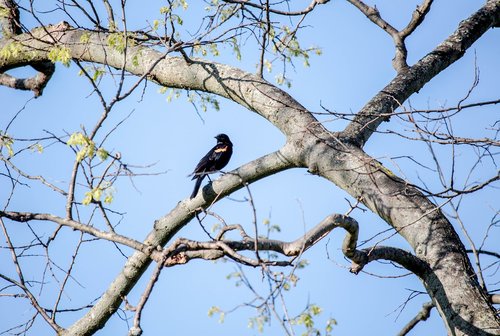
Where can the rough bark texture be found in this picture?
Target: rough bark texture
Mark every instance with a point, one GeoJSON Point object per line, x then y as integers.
{"type": "Point", "coordinates": [450, 279]}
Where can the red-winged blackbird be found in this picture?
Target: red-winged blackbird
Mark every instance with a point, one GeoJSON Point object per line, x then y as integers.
{"type": "Point", "coordinates": [216, 159]}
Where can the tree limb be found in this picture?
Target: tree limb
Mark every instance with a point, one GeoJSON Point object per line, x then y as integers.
{"type": "Point", "coordinates": [110, 236]}
{"type": "Point", "coordinates": [10, 25]}
{"type": "Point", "coordinates": [423, 315]}
{"type": "Point", "coordinates": [380, 107]}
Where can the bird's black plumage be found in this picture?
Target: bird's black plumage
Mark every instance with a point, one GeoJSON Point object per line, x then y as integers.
{"type": "Point", "coordinates": [216, 159]}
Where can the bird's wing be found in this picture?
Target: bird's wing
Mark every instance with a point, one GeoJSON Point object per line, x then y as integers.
{"type": "Point", "coordinates": [205, 162]}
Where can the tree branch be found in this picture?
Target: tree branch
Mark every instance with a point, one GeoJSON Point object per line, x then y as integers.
{"type": "Point", "coordinates": [417, 18]}
{"type": "Point", "coordinates": [188, 249]}
{"type": "Point", "coordinates": [9, 18]}
{"type": "Point", "coordinates": [379, 108]}
{"type": "Point", "coordinates": [35, 84]}
{"type": "Point", "coordinates": [423, 315]}
{"type": "Point", "coordinates": [22, 284]}
{"type": "Point", "coordinates": [110, 236]}
{"type": "Point", "coordinates": [10, 25]}
{"type": "Point", "coordinates": [244, 88]}
{"type": "Point", "coordinates": [306, 10]}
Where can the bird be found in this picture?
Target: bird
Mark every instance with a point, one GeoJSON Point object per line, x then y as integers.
{"type": "Point", "coordinates": [216, 159]}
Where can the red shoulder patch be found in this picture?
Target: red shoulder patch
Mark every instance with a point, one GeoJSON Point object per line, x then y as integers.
{"type": "Point", "coordinates": [221, 150]}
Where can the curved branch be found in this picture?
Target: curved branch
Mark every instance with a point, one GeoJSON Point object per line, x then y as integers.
{"type": "Point", "coordinates": [10, 25]}
{"type": "Point", "coordinates": [397, 255]}
{"type": "Point", "coordinates": [186, 250]}
{"type": "Point", "coordinates": [35, 84]}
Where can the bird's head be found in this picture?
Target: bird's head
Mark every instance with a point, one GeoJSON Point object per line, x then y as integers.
{"type": "Point", "coordinates": [222, 138]}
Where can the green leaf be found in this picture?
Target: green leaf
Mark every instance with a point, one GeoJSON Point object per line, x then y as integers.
{"type": "Point", "coordinates": [117, 41]}
{"type": "Point", "coordinates": [213, 310]}
{"type": "Point", "coordinates": [102, 154]}
{"type": "Point", "coordinates": [85, 38]}
{"type": "Point", "coordinates": [7, 142]}
{"type": "Point", "coordinates": [37, 147]}
{"type": "Point", "coordinates": [60, 54]}
{"type": "Point", "coordinates": [98, 73]}
{"type": "Point", "coordinates": [156, 24]}
{"type": "Point", "coordinates": [108, 199]}
{"type": "Point", "coordinates": [87, 146]}
{"type": "Point", "coordinates": [76, 138]}
{"type": "Point", "coordinates": [214, 50]}
{"type": "Point", "coordinates": [10, 50]}
{"type": "Point", "coordinates": [268, 65]}
{"type": "Point", "coordinates": [315, 309]}
{"type": "Point", "coordinates": [88, 198]}
{"type": "Point", "coordinates": [303, 263]}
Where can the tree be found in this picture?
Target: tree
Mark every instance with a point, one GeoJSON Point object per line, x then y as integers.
{"type": "Point", "coordinates": [119, 55]}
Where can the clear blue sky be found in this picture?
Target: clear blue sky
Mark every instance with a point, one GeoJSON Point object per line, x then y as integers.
{"type": "Point", "coordinates": [355, 65]}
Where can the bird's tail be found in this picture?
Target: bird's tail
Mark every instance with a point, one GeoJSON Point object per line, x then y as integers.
{"type": "Point", "coordinates": [197, 185]}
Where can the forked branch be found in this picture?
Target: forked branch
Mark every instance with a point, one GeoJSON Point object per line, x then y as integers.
{"type": "Point", "coordinates": [398, 36]}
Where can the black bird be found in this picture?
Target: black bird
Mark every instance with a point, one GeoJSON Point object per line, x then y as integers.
{"type": "Point", "coordinates": [216, 159]}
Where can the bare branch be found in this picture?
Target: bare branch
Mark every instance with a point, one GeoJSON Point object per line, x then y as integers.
{"type": "Point", "coordinates": [30, 177]}
{"type": "Point", "coordinates": [417, 18]}
{"type": "Point", "coordinates": [21, 283]}
{"type": "Point", "coordinates": [136, 329]}
{"type": "Point", "coordinates": [412, 80]}
{"type": "Point", "coordinates": [264, 7]}
{"type": "Point", "coordinates": [423, 315]}
{"type": "Point", "coordinates": [373, 14]}
{"type": "Point", "coordinates": [111, 236]}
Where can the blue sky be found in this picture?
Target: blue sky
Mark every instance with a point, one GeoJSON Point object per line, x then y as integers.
{"type": "Point", "coordinates": [355, 65]}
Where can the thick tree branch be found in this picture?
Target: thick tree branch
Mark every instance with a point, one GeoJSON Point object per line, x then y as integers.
{"type": "Point", "coordinates": [407, 82]}
{"type": "Point", "coordinates": [246, 89]}
{"type": "Point", "coordinates": [397, 255]}
{"type": "Point", "coordinates": [420, 222]}
{"type": "Point", "coordinates": [35, 84]}
{"type": "Point", "coordinates": [9, 18]}
{"type": "Point", "coordinates": [10, 25]}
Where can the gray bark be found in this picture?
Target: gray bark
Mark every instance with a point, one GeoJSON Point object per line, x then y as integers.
{"type": "Point", "coordinates": [339, 158]}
